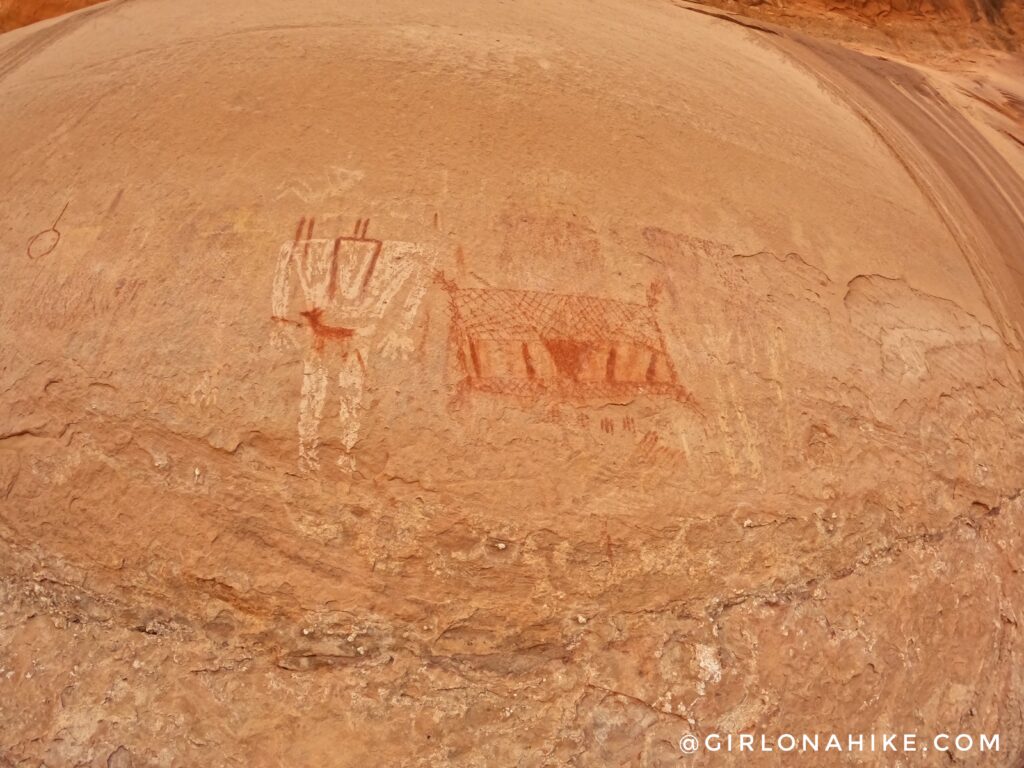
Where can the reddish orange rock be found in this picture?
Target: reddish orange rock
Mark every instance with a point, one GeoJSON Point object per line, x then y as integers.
{"type": "Point", "coordinates": [505, 384]}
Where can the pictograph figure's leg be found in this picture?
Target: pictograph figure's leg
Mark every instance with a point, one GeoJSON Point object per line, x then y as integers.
{"type": "Point", "coordinates": [351, 381]}
{"type": "Point", "coordinates": [311, 409]}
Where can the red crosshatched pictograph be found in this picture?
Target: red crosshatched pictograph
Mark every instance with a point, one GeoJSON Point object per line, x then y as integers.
{"type": "Point", "coordinates": [532, 343]}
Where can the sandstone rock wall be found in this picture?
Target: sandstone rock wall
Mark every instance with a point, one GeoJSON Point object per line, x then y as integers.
{"type": "Point", "coordinates": [18, 13]}
{"type": "Point", "coordinates": [918, 28]}
{"type": "Point", "coordinates": [909, 25]}
{"type": "Point", "coordinates": [527, 386]}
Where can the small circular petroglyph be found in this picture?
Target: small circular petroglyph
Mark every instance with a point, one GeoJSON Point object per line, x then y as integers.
{"type": "Point", "coordinates": [43, 243]}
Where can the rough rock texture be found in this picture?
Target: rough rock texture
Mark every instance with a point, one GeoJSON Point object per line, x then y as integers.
{"type": "Point", "coordinates": [917, 28]}
{"type": "Point", "coordinates": [522, 384]}
{"type": "Point", "coordinates": [18, 13]}
{"type": "Point", "coordinates": [908, 25]}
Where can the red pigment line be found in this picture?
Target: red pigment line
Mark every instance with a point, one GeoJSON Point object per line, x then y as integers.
{"type": "Point", "coordinates": [298, 237]}
{"type": "Point", "coordinates": [54, 227]}
{"type": "Point", "coordinates": [475, 358]}
{"type": "Point", "coordinates": [652, 368]}
{"type": "Point", "coordinates": [530, 371]}
{"type": "Point", "coordinates": [609, 368]}
{"type": "Point", "coordinates": [373, 265]}
{"type": "Point", "coordinates": [309, 236]}
{"type": "Point", "coordinates": [332, 285]}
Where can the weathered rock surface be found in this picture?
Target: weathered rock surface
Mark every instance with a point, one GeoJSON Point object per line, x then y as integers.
{"type": "Point", "coordinates": [904, 24]}
{"type": "Point", "coordinates": [527, 384]}
{"type": "Point", "coordinates": [915, 27]}
{"type": "Point", "coordinates": [18, 13]}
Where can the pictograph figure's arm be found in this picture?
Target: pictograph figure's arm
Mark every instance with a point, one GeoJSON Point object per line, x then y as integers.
{"type": "Point", "coordinates": [409, 267]}
{"type": "Point", "coordinates": [399, 265]}
{"type": "Point", "coordinates": [414, 297]}
{"type": "Point", "coordinates": [281, 297]}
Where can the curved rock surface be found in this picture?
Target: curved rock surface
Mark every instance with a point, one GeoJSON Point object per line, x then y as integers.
{"type": "Point", "coordinates": [919, 28]}
{"type": "Point", "coordinates": [913, 24]}
{"type": "Point", "coordinates": [527, 385]}
{"type": "Point", "coordinates": [19, 13]}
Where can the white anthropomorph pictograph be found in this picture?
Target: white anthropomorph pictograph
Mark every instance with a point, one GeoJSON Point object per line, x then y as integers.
{"type": "Point", "coordinates": [359, 298]}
